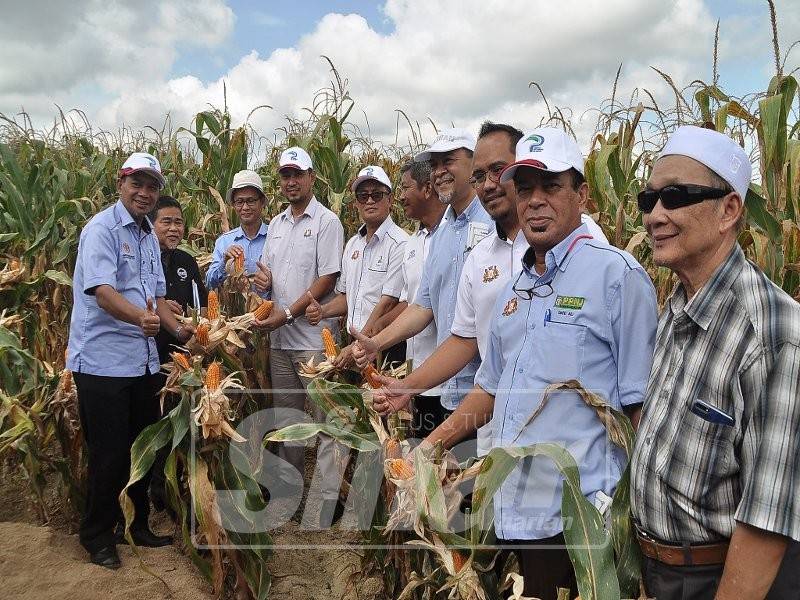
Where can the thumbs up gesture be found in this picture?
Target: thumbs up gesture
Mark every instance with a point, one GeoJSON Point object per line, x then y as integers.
{"type": "Point", "coordinates": [313, 310]}
{"type": "Point", "coordinates": [365, 350]}
{"type": "Point", "coordinates": [149, 321]}
{"type": "Point", "coordinates": [263, 278]}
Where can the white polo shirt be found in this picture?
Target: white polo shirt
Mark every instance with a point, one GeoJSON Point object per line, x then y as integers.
{"type": "Point", "coordinates": [422, 345]}
{"type": "Point", "coordinates": [371, 269]}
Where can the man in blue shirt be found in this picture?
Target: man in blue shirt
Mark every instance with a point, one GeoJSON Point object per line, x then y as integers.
{"type": "Point", "coordinates": [465, 223]}
{"type": "Point", "coordinates": [118, 308]}
{"type": "Point", "coordinates": [248, 200]}
{"type": "Point", "coordinates": [580, 309]}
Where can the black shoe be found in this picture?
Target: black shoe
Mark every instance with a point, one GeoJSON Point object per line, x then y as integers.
{"type": "Point", "coordinates": [106, 557]}
{"type": "Point", "coordinates": [146, 538]}
{"type": "Point", "coordinates": [329, 507]}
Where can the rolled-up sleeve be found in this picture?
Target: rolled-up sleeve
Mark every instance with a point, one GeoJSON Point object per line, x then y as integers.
{"type": "Point", "coordinates": [330, 244]}
{"type": "Point", "coordinates": [216, 272]}
{"type": "Point", "coordinates": [771, 449]}
{"type": "Point", "coordinates": [633, 319]}
{"type": "Point", "coordinates": [393, 286]}
{"type": "Point", "coordinates": [98, 255]}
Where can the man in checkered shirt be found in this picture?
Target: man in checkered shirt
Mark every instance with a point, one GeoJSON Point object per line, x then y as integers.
{"type": "Point", "coordinates": [715, 490]}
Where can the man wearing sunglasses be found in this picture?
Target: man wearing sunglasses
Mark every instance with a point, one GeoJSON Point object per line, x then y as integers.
{"type": "Point", "coordinates": [247, 198]}
{"type": "Point", "coordinates": [581, 310]}
{"type": "Point", "coordinates": [372, 264]}
{"type": "Point", "coordinates": [714, 483]}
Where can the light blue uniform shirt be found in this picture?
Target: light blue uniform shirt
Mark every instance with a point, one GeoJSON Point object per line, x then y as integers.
{"type": "Point", "coordinates": [597, 326]}
{"type": "Point", "coordinates": [113, 250]}
{"type": "Point", "coordinates": [450, 246]}
{"type": "Point", "coordinates": [252, 252]}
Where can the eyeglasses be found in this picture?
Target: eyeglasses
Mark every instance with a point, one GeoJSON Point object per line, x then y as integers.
{"type": "Point", "coordinates": [493, 175]}
{"type": "Point", "coordinates": [251, 202]}
{"type": "Point", "coordinates": [677, 195]}
{"type": "Point", "coordinates": [539, 291]}
{"type": "Point", "coordinates": [378, 195]}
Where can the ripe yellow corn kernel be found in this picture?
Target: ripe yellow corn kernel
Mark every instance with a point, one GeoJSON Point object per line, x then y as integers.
{"type": "Point", "coordinates": [393, 449]}
{"type": "Point", "coordinates": [213, 376]}
{"type": "Point", "coordinates": [180, 359]}
{"type": "Point", "coordinates": [239, 265]}
{"type": "Point", "coordinates": [263, 310]}
{"type": "Point", "coordinates": [328, 344]}
{"type": "Point", "coordinates": [201, 334]}
{"type": "Point", "coordinates": [400, 468]}
{"type": "Point", "coordinates": [213, 305]}
{"type": "Point", "coordinates": [369, 372]}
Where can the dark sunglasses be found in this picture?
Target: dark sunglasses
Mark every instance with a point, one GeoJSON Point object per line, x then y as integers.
{"type": "Point", "coordinates": [677, 195]}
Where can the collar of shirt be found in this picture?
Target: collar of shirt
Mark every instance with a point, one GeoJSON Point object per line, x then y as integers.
{"type": "Point", "coordinates": [239, 233]}
{"type": "Point", "coordinates": [464, 217]}
{"type": "Point", "coordinates": [124, 218]}
{"type": "Point", "coordinates": [557, 256]}
{"type": "Point", "coordinates": [310, 211]}
{"type": "Point", "coordinates": [707, 302]}
{"type": "Point", "coordinates": [380, 231]}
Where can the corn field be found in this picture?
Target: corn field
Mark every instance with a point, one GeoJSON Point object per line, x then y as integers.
{"type": "Point", "coordinates": [52, 182]}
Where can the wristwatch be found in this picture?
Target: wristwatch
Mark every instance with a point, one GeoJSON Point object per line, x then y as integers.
{"type": "Point", "coordinates": [289, 317]}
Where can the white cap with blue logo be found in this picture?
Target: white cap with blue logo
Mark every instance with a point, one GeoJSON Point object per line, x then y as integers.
{"type": "Point", "coordinates": [371, 172]}
{"type": "Point", "coordinates": [547, 149]}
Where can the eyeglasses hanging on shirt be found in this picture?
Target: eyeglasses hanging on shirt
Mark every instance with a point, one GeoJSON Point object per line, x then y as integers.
{"type": "Point", "coordinates": [543, 290]}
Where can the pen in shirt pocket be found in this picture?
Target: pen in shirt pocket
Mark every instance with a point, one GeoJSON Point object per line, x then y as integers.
{"type": "Point", "coordinates": [547, 316]}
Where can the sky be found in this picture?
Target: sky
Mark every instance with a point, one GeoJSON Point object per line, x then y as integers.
{"type": "Point", "coordinates": [442, 62]}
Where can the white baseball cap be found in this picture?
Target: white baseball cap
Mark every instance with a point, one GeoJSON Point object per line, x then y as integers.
{"type": "Point", "coordinates": [142, 161]}
{"type": "Point", "coordinates": [548, 149]}
{"type": "Point", "coordinates": [245, 178]}
{"type": "Point", "coordinates": [371, 172]}
{"type": "Point", "coordinates": [715, 150]}
{"type": "Point", "coordinates": [296, 158]}
{"type": "Point", "coordinates": [447, 140]}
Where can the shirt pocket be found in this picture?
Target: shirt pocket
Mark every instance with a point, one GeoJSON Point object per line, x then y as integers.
{"type": "Point", "coordinates": [558, 350]}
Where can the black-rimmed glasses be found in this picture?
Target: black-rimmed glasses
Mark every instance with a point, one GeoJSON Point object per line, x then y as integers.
{"type": "Point", "coordinates": [542, 290]}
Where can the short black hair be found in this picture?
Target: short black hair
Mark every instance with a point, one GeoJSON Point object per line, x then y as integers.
{"type": "Point", "coordinates": [419, 170]}
{"type": "Point", "coordinates": [165, 202]}
{"type": "Point", "coordinates": [577, 178]}
{"type": "Point", "coordinates": [512, 132]}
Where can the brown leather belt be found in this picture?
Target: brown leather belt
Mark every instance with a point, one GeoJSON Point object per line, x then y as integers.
{"type": "Point", "coordinates": [685, 555]}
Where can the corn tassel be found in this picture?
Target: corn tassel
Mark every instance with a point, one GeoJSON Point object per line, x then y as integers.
{"type": "Point", "coordinates": [213, 306]}
{"type": "Point", "coordinates": [328, 344]}
{"type": "Point", "coordinates": [370, 376]}
{"type": "Point", "coordinates": [263, 310]}
{"type": "Point", "coordinates": [180, 359]}
{"type": "Point", "coordinates": [213, 376]}
{"type": "Point", "coordinates": [201, 334]}
{"type": "Point", "coordinates": [400, 468]}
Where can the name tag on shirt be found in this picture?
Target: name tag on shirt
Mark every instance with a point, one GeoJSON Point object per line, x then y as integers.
{"type": "Point", "coordinates": [475, 233]}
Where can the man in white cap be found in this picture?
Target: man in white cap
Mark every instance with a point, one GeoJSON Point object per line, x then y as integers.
{"type": "Point", "coordinates": [301, 261]}
{"type": "Point", "coordinates": [714, 485]}
{"type": "Point", "coordinates": [372, 263]}
{"type": "Point", "coordinates": [247, 198]}
{"type": "Point", "coordinates": [118, 308]}
{"type": "Point", "coordinates": [465, 223]}
{"type": "Point", "coordinates": [579, 309]}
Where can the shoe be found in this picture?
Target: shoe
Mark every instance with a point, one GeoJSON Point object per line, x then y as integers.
{"type": "Point", "coordinates": [106, 557]}
{"type": "Point", "coordinates": [329, 507]}
{"type": "Point", "coordinates": [145, 538]}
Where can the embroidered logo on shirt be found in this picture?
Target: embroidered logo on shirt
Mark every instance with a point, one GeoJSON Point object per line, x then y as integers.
{"type": "Point", "coordinates": [490, 273]}
{"type": "Point", "coordinates": [126, 249]}
{"type": "Point", "coordinates": [510, 307]}
{"type": "Point", "coordinates": [355, 255]}
{"type": "Point", "coordinates": [307, 233]}
{"type": "Point", "coordinates": [182, 274]}
{"type": "Point", "coordinates": [412, 254]}
{"type": "Point", "coordinates": [569, 302]}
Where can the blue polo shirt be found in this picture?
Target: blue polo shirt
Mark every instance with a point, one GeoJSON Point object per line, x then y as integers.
{"type": "Point", "coordinates": [450, 246]}
{"type": "Point", "coordinates": [594, 320]}
{"type": "Point", "coordinates": [113, 250]}
{"type": "Point", "coordinates": [252, 252]}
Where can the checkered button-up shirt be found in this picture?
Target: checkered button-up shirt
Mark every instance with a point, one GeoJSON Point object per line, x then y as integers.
{"type": "Point", "coordinates": [735, 346]}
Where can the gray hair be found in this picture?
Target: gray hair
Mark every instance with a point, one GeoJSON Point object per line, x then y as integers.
{"type": "Point", "coordinates": [420, 171]}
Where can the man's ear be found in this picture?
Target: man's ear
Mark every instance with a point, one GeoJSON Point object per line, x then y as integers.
{"type": "Point", "coordinates": [731, 208]}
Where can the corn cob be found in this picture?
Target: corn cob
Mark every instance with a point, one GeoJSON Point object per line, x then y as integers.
{"type": "Point", "coordinates": [66, 381]}
{"type": "Point", "coordinates": [201, 334]}
{"type": "Point", "coordinates": [213, 305]}
{"type": "Point", "coordinates": [213, 376]}
{"type": "Point", "coordinates": [238, 264]}
{"type": "Point", "coordinates": [263, 310]}
{"type": "Point", "coordinates": [328, 344]}
{"type": "Point", "coordinates": [458, 561]}
{"type": "Point", "coordinates": [393, 449]}
{"type": "Point", "coordinates": [369, 373]}
{"type": "Point", "coordinates": [180, 359]}
{"type": "Point", "coordinates": [400, 468]}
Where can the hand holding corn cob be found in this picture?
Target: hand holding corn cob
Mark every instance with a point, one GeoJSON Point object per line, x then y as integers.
{"type": "Point", "coordinates": [365, 350]}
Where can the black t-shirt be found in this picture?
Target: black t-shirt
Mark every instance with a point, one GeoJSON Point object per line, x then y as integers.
{"type": "Point", "coordinates": [180, 269]}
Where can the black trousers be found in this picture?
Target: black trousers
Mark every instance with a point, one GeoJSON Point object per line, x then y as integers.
{"type": "Point", "coordinates": [545, 568]}
{"type": "Point", "coordinates": [113, 411]}
{"type": "Point", "coordinates": [665, 582]}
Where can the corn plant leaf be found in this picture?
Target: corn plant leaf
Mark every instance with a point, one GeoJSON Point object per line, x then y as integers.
{"type": "Point", "coordinates": [759, 215]}
{"type": "Point", "coordinates": [304, 431]}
